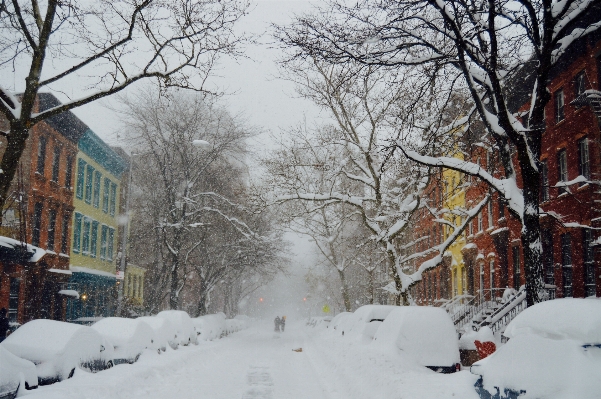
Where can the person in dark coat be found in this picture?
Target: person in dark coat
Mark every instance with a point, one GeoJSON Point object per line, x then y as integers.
{"type": "Point", "coordinates": [283, 323]}
{"type": "Point", "coordinates": [277, 323]}
{"type": "Point", "coordinates": [4, 326]}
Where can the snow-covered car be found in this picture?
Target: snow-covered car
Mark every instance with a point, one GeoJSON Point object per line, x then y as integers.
{"type": "Point", "coordinates": [14, 373]}
{"type": "Point", "coordinates": [338, 319]}
{"type": "Point", "coordinates": [164, 333]}
{"type": "Point", "coordinates": [210, 327]}
{"type": "Point", "coordinates": [423, 335]}
{"type": "Point", "coordinates": [554, 351]}
{"type": "Point", "coordinates": [186, 334]}
{"type": "Point", "coordinates": [58, 348]}
{"type": "Point", "coordinates": [129, 337]}
{"type": "Point", "coordinates": [365, 321]}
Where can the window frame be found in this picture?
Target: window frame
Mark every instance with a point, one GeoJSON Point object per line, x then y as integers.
{"type": "Point", "coordinates": [56, 160]}
{"type": "Point", "coordinates": [103, 241]}
{"type": "Point", "coordinates": [85, 242]}
{"type": "Point", "coordinates": [81, 178]}
{"type": "Point", "coordinates": [50, 239]}
{"type": "Point", "coordinates": [562, 170]}
{"type": "Point", "coordinates": [77, 222]}
{"type": "Point", "coordinates": [36, 228]}
{"type": "Point", "coordinates": [94, 239]}
{"type": "Point", "coordinates": [559, 105]}
{"type": "Point", "coordinates": [89, 184]}
{"type": "Point", "coordinates": [96, 193]}
{"type": "Point", "coordinates": [113, 199]}
{"type": "Point", "coordinates": [566, 263]}
{"type": "Point", "coordinates": [584, 159]}
{"type": "Point", "coordinates": [110, 244]}
{"type": "Point", "coordinates": [106, 195]}
{"type": "Point", "coordinates": [41, 155]}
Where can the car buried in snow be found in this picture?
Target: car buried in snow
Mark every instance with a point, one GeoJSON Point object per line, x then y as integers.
{"type": "Point", "coordinates": [58, 348]}
{"type": "Point", "coordinates": [129, 337]}
{"type": "Point", "coordinates": [15, 373]}
{"type": "Point", "coordinates": [186, 334]}
{"type": "Point", "coordinates": [164, 333]}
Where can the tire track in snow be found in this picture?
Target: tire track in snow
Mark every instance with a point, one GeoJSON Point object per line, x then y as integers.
{"type": "Point", "coordinates": [260, 383]}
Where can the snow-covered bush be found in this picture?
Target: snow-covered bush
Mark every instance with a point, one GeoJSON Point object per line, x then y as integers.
{"type": "Point", "coordinates": [182, 322]}
{"type": "Point", "coordinates": [57, 348]}
{"type": "Point", "coordinates": [210, 327]}
{"type": "Point", "coordinates": [232, 326]}
{"type": "Point", "coordinates": [554, 351]}
{"type": "Point", "coordinates": [15, 372]}
{"type": "Point", "coordinates": [420, 334]}
{"type": "Point", "coordinates": [164, 332]}
{"type": "Point", "coordinates": [129, 337]}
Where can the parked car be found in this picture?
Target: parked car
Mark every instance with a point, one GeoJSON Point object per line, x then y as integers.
{"type": "Point", "coordinates": [339, 319]}
{"type": "Point", "coordinates": [14, 373]}
{"type": "Point", "coordinates": [58, 348]}
{"type": "Point", "coordinates": [186, 334]}
{"type": "Point", "coordinates": [421, 334]}
{"type": "Point", "coordinates": [129, 337]}
{"type": "Point", "coordinates": [164, 333]}
{"type": "Point", "coordinates": [554, 351]}
{"type": "Point", "coordinates": [210, 326]}
{"type": "Point", "coordinates": [365, 321]}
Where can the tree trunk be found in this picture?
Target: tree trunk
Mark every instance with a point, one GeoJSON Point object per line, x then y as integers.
{"type": "Point", "coordinates": [174, 293]}
{"type": "Point", "coordinates": [345, 294]}
{"type": "Point", "coordinates": [10, 160]}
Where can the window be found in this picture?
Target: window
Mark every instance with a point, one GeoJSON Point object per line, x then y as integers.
{"type": "Point", "coordinates": [56, 161]}
{"type": "Point", "coordinates": [85, 245]}
{"type": "Point", "coordinates": [65, 234]}
{"type": "Point", "coordinates": [589, 263]}
{"type": "Point", "coordinates": [579, 84]}
{"type": "Point", "coordinates": [89, 183]}
{"type": "Point", "coordinates": [471, 229]}
{"type": "Point", "coordinates": [113, 199]}
{"type": "Point", "coordinates": [77, 232]}
{"type": "Point", "coordinates": [109, 247]}
{"type": "Point", "coordinates": [489, 216]}
{"type": "Point", "coordinates": [566, 262]}
{"type": "Point", "coordinates": [69, 172]}
{"type": "Point", "coordinates": [105, 195]}
{"type": "Point", "coordinates": [547, 241]}
{"type": "Point", "coordinates": [501, 207]}
{"type": "Point", "coordinates": [51, 228]}
{"type": "Point", "coordinates": [103, 241]}
{"type": "Point", "coordinates": [492, 274]}
{"type": "Point", "coordinates": [480, 227]}
{"type": "Point", "coordinates": [584, 167]}
{"type": "Point", "coordinates": [94, 239]}
{"type": "Point", "coordinates": [41, 155]}
{"type": "Point", "coordinates": [516, 267]}
{"type": "Point", "coordinates": [562, 173]}
{"type": "Point", "coordinates": [97, 179]}
{"type": "Point", "coordinates": [81, 170]}
{"type": "Point", "coordinates": [37, 224]}
{"type": "Point", "coordinates": [559, 106]}
{"type": "Point", "coordinates": [544, 181]}
{"type": "Point", "coordinates": [488, 165]}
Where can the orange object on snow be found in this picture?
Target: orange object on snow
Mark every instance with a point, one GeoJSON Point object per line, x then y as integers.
{"type": "Point", "coordinates": [485, 349]}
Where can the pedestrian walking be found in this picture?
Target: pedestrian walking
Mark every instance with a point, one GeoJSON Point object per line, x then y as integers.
{"type": "Point", "coordinates": [4, 326]}
{"type": "Point", "coordinates": [283, 323]}
{"type": "Point", "coordinates": [277, 323]}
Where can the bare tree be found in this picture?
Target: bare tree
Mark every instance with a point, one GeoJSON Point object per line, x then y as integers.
{"type": "Point", "coordinates": [107, 46]}
{"type": "Point", "coordinates": [484, 46]}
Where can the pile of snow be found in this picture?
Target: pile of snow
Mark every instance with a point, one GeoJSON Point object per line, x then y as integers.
{"type": "Point", "coordinates": [164, 332]}
{"type": "Point", "coordinates": [56, 348]}
{"type": "Point", "coordinates": [319, 321]}
{"type": "Point", "coordinates": [365, 321]}
{"type": "Point", "coordinates": [232, 326]}
{"type": "Point", "coordinates": [13, 370]}
{"type": "Point", "coordinates": [210, 327]}
{"type": "Point", "coordinates": [182, 322]}
{"type": "Point", "coordinates": [424, 335]}
{"type": "Point", "coordinates": [554, 352]}
{"type": "Point", "coordinates": [338, 319]}
{"type": "Point", "coordinates": [129, 337]}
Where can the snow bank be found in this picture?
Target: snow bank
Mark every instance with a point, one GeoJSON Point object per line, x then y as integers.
{"type": "Point", "coordinates": [573, 318]}
{"type": "Point", "coordinates": [164, 332]}
{"type": "Point", "coordinates": [422, 334]}
{"type": "Point", "coordinates": [244, 319]}
{"type": "Point", "coordinates": [183, 325]}
{"type": "Point", "coordinates": [210, 327]}
{"type": "Point", "coordinates": [365, 321]}
{"type": "Point", "coordinates": [55, 347]}
{"type": "Point", "coordinates": [129, 337]}
{"type": "Point", "coordinates": [13, 369]}
{"type": "Point", "coordinates": [339, 319]}
{"type": "Point", "coordinates": [319, 321]}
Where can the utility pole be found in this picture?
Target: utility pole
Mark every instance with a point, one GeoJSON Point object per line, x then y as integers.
{"type": "Point", "coordinates": [124, 238]}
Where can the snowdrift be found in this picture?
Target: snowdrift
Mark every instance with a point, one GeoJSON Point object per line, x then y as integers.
{"type": "Point", "coordinates": [13, 370]}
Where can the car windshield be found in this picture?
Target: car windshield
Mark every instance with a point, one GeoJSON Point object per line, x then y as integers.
{"type": "Point", "coordinates": [300, 199]}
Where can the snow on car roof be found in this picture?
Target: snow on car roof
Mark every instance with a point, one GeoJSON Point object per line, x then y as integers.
{"type": "Point", "coordinates": [571, 318]}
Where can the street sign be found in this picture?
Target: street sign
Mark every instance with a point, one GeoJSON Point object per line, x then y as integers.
{"type": "Point", "coordinates": [120, 275]}
{"type": "Point", "coordinates": [326, 308]}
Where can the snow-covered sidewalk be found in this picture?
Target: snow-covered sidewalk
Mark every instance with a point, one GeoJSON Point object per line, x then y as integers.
{"type": "Point", "coordinates": [258, 363]}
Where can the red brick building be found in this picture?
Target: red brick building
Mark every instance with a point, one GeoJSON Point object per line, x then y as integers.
{"type": "Point", "coordinates": [39, 213]}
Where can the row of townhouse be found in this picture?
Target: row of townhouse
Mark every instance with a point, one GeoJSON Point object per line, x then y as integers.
{"type": "Point", "coordinates": [488, 257]}
{"type": "Point", "coordinates": [62, 229]}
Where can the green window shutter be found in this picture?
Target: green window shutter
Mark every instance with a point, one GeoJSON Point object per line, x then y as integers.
{"type": "Point", "coordinates": [89, 183]}
{"type": "Point", "coordinates": [94, 239]}
{"type": "Point", "coordinates": [105, 195]}
{"type": "Point", "coordinates": [81, 170]}
{"type": "Point", "coordinates": [110, 244]}
{"type": "Point", "coordinates": [103, 241]}
{"type": "Point", "coordinates": [77, 232]}
{"type": "Point", "coordinates": [86, 236]}
{"type": "Point", "coordinates": [97, 179]}
{"type": "Point", "coordinates": [113, 198]}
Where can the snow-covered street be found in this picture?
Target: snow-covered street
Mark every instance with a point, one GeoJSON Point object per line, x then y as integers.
{"type": "Point", "coordinates": [259, 363]}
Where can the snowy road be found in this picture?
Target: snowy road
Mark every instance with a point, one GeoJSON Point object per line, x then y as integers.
{"type": "Point", "coordinates": [260, 364]}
